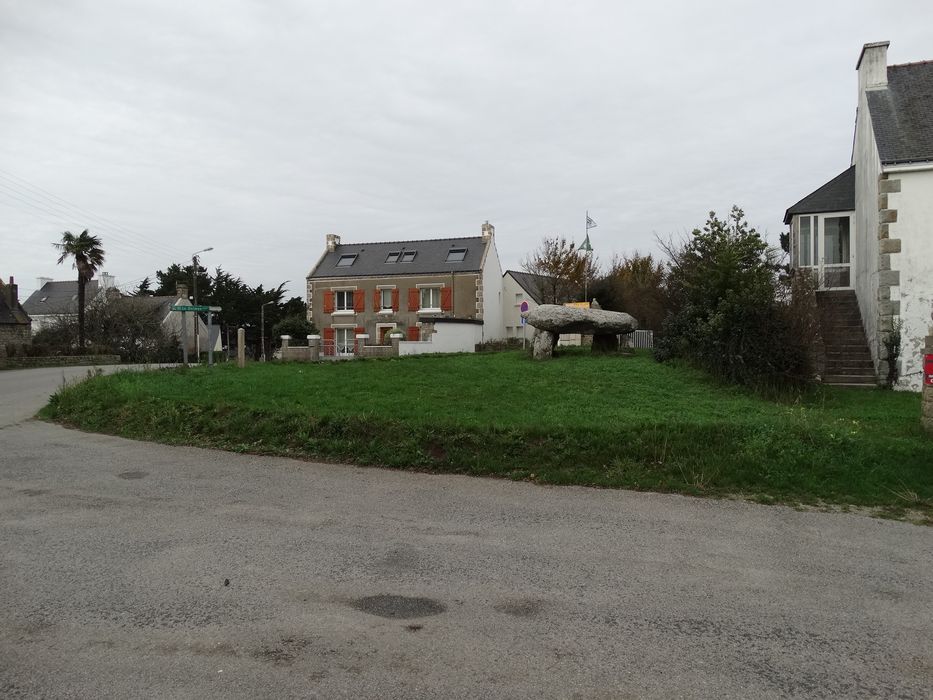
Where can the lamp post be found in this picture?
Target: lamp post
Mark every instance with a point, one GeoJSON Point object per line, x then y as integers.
{"type": "Point", "coordinates": [194, 272]}
{"type": "Point", "coordinates": [262, 329]}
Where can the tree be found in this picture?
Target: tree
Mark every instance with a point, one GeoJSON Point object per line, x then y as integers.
{"type": "Point", "coordinates": [729, 313]}
{"type": "Point", "coordinates": [560, 270]}
{"type": "Point", "coordinates": [634, 284]}
{"type": "Point", "coordinates": [175, 274]}
{"type": "Point", "coordinates": [87, 257]}
{"type": "Point", "coordinates": [144, 289]}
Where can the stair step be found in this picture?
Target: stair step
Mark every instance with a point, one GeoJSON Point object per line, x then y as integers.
{"type": "Point", "coordinates": [850, 379]}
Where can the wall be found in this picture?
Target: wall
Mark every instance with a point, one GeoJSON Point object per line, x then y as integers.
{"type": "Point", "coordinates": [15, 333]}
{"type": "Point", "coordinates": [447, 337]}
{"type": "Point", "coordinates": [512, 296]}
{"type": "Point", "coordinates": [464, 300]}
{"type": "Point", "coordinates": [867, 171]}
{"type": "Point", "coordinates": [60, 361]}
{"type": "Point", "coordinates": [914, 296]}
{"type": "Point", "coordinates": [493, 325]}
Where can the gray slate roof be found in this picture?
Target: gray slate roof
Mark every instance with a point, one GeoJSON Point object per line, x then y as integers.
{"type": "Point", "coordinates": [531, 283]}
{"type": "Point", "coordinates": [60, 298]}
{"type": "Point", "coordinates": [836, 195]}
{"type": "Point", "coordinates": [430, 258]}
{"type": "Point", "coordinates": [902, 114]}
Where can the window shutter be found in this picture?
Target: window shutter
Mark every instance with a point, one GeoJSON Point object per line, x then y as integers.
{"type": "Point", "coordinates": [414, 333]}
{"type": "Point", "coordinates": [447, 299]}
{"type": "Point", "coordinates": [329, 308]}
{"type": "Point", "coordinates": [395, 299]}
{"type": "Point", "coordinates": [359, 301]}
{"type": "Point", "coordinates": [414, 299]}
{"type": "Point", "coordinates": [377, 300]}
{"type": "Point", "coordinates": [329, 340]}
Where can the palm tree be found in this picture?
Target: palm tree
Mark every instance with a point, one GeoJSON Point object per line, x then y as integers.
{"type": "Point", "coordinates": [87, 257]}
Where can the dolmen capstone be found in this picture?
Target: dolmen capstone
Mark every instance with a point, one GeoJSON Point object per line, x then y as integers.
{"type": "Point", "coordinates": [550, 320]}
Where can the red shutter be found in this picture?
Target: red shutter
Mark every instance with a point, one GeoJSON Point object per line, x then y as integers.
{"type": "Point", "coordinates": [414, 299]}
{"type": "Point", "coordinates": [395, 299]}
{"type": "Point", "coordinates": [377, 300]}
{"type": "Point", "coordinates": [359, 301]}
{"type": "Point", "coordinates": [329, 308]}
{"type": "Point", "coordinates": [414, 333]}
{"type": "Point", "coordinates": [329, 340]}
{"type": "Point", "coordinates": [447, 299]}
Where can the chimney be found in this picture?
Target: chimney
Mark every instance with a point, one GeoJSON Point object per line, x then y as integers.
{"type": "Point", "coordinates": [106, 280]}
{"type": "Point", "coordinates": [42, 281]}
{"type": "Point", "coordinates": [333, 240]}
{"type": "Point", "coordinates": [872, 66]}
{"type": "Point", "coordinates": [10, 294]}
{"type": "Point", "coordinates": [181, 291]}
{"type": "Point", "coordinates": [488, 231]}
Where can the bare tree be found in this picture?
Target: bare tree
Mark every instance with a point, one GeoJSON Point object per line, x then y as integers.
{"type": "Point", "coordinates": [560, 270]}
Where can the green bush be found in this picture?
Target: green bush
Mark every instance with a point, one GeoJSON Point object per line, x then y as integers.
{"type": "Point", "coordinates": [731, 314]}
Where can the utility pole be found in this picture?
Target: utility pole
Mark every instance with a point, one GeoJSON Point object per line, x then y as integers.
{"type": "Point", "coordinates": [262, 329]}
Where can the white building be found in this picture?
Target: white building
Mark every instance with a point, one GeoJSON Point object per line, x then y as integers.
{"type": "Point", "coordinates": [868, 232]}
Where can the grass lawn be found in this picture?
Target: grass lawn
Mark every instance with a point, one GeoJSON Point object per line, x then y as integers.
{"type": "Point", "coordinates": [579, 419]}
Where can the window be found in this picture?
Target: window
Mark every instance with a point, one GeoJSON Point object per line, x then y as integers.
{"type": "Point", "coordinates": [836, 240]}
{"type": "Point", "coordinates": [346, 260]}
{"type": "Point", "coordinates": [408, 255]}
{"type": "Point", "coordinates": [343, 340]}
{"type": "Point", "coordinates": [343, 300]}
{"type": "Point", "coordinates": [393, 257]}
{"type": "Point", "coordinates": [804, 245]}
{"type": "Point", "coordinates": [430, 299]}
{"type": "Point", "coordinates": [456, 254]}
{"type": "Point", "coordinates": [385, 299]}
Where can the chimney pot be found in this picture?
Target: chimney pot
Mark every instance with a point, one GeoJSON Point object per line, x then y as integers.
{"type": "Point", "coordinates": [488, 231]}
{"type": "Point", "coordinates": [333, 240]}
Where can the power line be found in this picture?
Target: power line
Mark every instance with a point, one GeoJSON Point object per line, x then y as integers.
{"type": "Point", "coordinates": [39, 194]}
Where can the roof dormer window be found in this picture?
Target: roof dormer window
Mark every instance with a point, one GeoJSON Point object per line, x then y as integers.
{"type": "Point", "coordinates": [408, 256]}
{"type": "Point", "coordinates": [346, 260]}
{"type": "Point", "coordinates": [393, 256]}
{"type": "Point", "coordinates": [456, 254]}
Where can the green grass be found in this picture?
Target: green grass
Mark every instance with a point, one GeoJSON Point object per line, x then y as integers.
{"type": "Point", "coordinates": [579, 419]}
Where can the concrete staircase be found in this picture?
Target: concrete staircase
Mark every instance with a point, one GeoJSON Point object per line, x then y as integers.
{"type": "Point", "coordinates": [848, 359]}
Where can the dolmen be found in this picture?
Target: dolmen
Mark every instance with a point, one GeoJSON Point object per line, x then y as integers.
{"type": "Point", "coordinates": [550, 320]}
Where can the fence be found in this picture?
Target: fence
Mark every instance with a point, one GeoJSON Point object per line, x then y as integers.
{"type": "Point", "coordinates": [638, 339]}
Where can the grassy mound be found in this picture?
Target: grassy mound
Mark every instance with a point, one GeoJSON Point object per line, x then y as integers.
{"type": "Point", "coordinates": [579, 419]}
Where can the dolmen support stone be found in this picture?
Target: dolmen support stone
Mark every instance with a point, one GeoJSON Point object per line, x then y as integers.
{"type": "Point", "coordinates": [550, 320]}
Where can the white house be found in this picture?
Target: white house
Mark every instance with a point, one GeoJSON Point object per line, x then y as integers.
{"type": "Point", "coordinates": [518, 287]}
{"type": "Point", "coordinates": [54, 300]}
{"type": "Point", "coordinates": [867, 234]}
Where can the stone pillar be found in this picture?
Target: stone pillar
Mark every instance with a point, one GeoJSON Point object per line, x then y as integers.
{"type": "Point", "coordinates": [314, 347]}
{"type": "Point", "coordinates": [395, 339]}
{"type": "Point", "coordinates": [285, 341]}
{"type": "Point", "coordinates": [926, 410]}
{"type": "Point", "coordinates": [241, 347]}
{"type": "Point", "coordinates": [361, 339]}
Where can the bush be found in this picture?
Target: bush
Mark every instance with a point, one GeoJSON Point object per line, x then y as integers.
{"type": "Point", "coordinates": [296, 326]}
{"type": "Point", "coordinates": [731, 314]}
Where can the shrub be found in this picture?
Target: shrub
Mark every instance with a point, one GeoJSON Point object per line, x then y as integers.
{"type": "Point", "coordinates": [296, 326]}
{"type": "Point", "coordinates": [730, 312]}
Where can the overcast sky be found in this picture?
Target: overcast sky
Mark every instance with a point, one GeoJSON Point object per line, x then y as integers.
{"type": "Point", "coordinates": [258, 127]}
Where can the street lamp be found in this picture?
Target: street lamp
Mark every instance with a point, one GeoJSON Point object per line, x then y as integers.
{"type": "Point", "coordinates": [194, 272]}
{"type": "Point", "coordinates": [262, 328]}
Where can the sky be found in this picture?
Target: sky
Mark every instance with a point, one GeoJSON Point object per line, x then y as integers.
{"type": "Point", "coordinates": [257, 127]}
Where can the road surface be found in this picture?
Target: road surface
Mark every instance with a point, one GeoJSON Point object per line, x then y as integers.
{"type": "Point", "coordinates": [131, 569]}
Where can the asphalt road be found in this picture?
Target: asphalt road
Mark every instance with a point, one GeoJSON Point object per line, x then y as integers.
{"type": "Point", "coordinates": [137, 570]}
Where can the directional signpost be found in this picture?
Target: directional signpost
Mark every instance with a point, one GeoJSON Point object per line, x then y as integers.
{"type": "Point", "coordinates": [185, 308]}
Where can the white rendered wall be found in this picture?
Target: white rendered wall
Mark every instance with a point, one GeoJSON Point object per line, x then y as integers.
{"type": "Point", "coordinates": [512, 297]}
{"type": "Point", "coordinates": [447, 337]}
{"type": "Point", "coordinates": [493, 327]}
{"type": "Point", "coordinates": [867, 170]}
{"type": "Point", "coordinates": [914, 227]}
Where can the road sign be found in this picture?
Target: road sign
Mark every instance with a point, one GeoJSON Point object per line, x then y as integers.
{"type": "Point", "coordinates": [524, 310]}
{"type": "Point", "coordinates": [191, 308]}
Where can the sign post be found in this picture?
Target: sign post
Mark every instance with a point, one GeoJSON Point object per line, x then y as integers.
{"type": "Point", "coordinates": [523, 307]}
{"type": "Point", "coordinates": [184, 308]}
